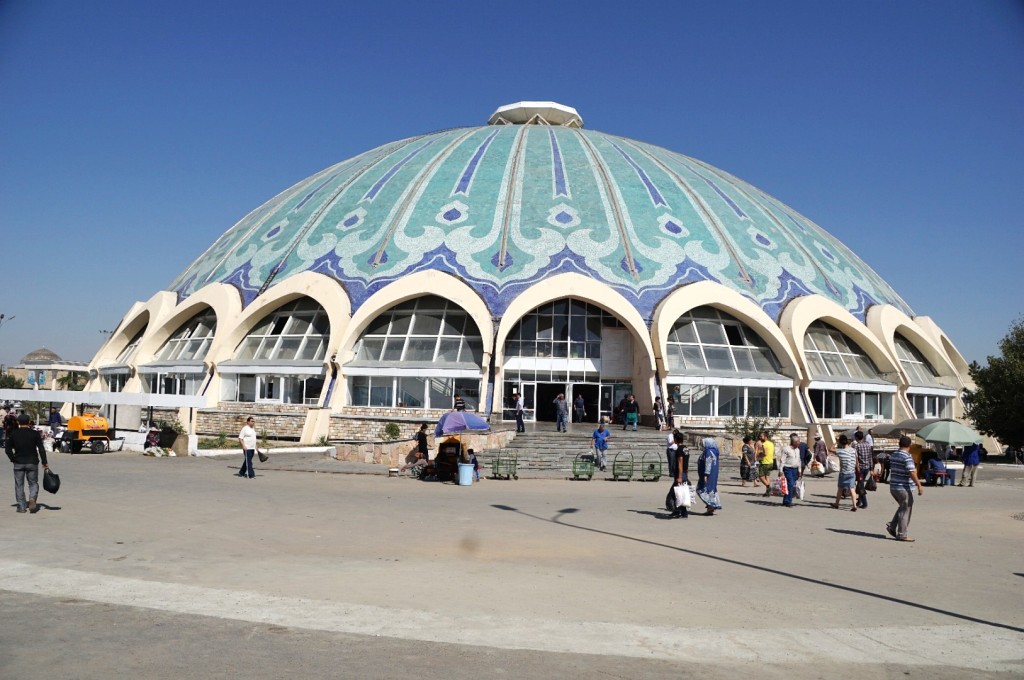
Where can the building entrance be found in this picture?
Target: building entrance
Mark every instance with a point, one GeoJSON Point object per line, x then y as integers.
{"type": "Point", "coordinates": [590, 394]}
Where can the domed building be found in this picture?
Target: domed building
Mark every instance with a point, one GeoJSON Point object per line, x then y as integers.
{"type": "Point", "coordinates": [530, 255]}
{"type": "Point", "coordinates": [44, 369]}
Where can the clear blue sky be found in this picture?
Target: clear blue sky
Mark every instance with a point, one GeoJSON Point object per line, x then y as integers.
{"type": "Point", "coordinates": [133, 133]}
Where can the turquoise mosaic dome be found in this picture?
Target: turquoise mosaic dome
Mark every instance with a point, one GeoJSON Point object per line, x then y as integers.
{"type": "Point", "coordinates": [504, 206]}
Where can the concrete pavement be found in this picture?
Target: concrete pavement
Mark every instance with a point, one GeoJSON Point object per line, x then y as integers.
{"type": "Point", "coordinates": [528, 578]}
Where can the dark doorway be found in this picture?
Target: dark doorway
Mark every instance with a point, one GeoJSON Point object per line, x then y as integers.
{"type": "Point", "coordinates": [589, 393]}
{"type": "Point", "coordinates": [546, 393]}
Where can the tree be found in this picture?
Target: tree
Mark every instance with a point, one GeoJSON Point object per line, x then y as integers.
{"type": "Point", "coordinates": [9, 382]}
{"type": "Point", "coordinates": [70, 381]}
{"type": "Point", "coordinates": [997, 405]}
{"type": "Point", "coordinates": [752, 426]}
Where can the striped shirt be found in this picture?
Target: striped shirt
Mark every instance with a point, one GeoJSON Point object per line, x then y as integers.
{"type": "Point", "coordinates": [901, 464]}
{"type": "Point", "coordinates": [863, 449]}
{"type": "Point", "coordinates": [847, 461]}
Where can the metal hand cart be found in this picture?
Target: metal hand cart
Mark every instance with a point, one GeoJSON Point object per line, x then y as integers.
{"type": "Point", "coordinates": [583, 466]}
{"type": "Point", "coordinates": [505, 464]}
{"type": "Point", "coordinates": [652, 466]}
{"type": "Point", "coordinates": [622, 466]}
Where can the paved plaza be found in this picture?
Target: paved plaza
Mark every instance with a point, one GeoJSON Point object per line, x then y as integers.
{"type": "Point", "coordinates": [161, 568]}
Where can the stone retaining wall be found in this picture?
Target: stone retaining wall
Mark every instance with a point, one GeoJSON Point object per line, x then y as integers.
{"type": "Point", "coordinates": [396, 453]}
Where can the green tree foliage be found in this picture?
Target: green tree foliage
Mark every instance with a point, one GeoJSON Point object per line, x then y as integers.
{"type": "Point", "coordinates": [71, 381]}
{"type": "Point", "coordinates": [752, 426]}
{"type": "Point", "coordinates": [997, 405]}
{"type": "Point", "coordinates": [9, 382]}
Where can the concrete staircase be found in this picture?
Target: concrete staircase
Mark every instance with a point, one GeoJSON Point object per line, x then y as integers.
{"type": "Point", "coordinates": [541, 448]}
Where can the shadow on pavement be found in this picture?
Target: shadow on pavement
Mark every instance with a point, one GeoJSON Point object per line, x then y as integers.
{"type": "Point", "coordinates": [864, 534]}
{"type": "Point", "coordinates": [557, 519]}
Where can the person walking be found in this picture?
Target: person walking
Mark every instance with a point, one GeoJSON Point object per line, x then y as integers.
{"type": "Point", "coordinates": [55, 422]}
{"type": "Point", "coordinates": [520, 407]}
{"type": "Point", "coordinates": [972, 458]}
{"type": "Point", "coordinates": [820, 450]}
{"type": "Point", "coordinates": [865, 461]}
{"type": "Point", "coordinates": [791, 467]}
{"type": "Point", "coordinates": [630, 413]}
{"type": "Point", "coordinates": [561, 413]}
{"type": "Point", "coordinates": [847, 471]}
{"type": "Point", "coordinates": [901, 473]}
{"type": "Point", "coordinates": [707, 476]}
{"type": "Point", "coordinates": [247, 440]}
{"type": "Point", "coordinates": [24, 447]}
{"type": "Point", "coordinates": [764, 451]}
{"type": "Point", "coordinates": [680, 466]}
{"type": "Point", "coordinates": [672, 444]}
{"type": "Point", "coordinates": [659, 414]}
{"type": "Point", "coordinates": [748, 464]}
{"type": "Point", "coordinates": [580, 408]}
{"type": "Point", "coordinates": [599, 442]}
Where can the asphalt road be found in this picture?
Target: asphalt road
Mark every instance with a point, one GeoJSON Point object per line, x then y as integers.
{"type": "Point", "coordinates": [159, 568]}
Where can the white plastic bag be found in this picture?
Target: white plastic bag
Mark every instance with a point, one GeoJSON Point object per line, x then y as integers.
{"type": "Point", "coordinates": [799, 489]}
{"type": "Point", "coordinates": [832, 465]}
{"type": "Point", "coordinates": [684, 496]}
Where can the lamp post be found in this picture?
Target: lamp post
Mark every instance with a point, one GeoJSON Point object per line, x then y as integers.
{"type": "Point", "coordinates": [4, 319]}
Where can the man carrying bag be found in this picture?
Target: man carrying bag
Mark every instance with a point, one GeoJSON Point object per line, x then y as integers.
{"type": "Point", "coordinates": [25, 449]}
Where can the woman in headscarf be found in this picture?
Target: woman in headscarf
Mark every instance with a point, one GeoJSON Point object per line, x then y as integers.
{"type": "Point", "coordinates": [707, 476]}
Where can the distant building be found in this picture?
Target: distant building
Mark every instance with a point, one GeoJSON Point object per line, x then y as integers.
{"type": "Point", "coordinates": [535, 256]}
{"type": "Point", "coordinates": [43, 369]}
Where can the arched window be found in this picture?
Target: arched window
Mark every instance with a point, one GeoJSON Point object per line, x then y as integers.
{"type": "Point", "coordinates": [846, 384]}
{"type": "Point", "coordinates": [115, 375]}
{"type": "Point", "coordinates": [178, 366]}
{"type": "Point", "coordinates": [927, 394]}
{"type": "Point", "coordinates": [718, 366]}
{"type": "Point", "coordinates": [281, 360]}
{"type": "Point", "coordinates": [418, 354]}
{"type": "Point", "coordinates": [707, 339]}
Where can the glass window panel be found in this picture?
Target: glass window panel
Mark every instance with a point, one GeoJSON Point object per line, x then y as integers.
{"type": "Point", "coordinates": [545, 328]}
{"type": "Point", "coordinates": [379, 326]}
{"type": "Point", "coordinates": [440, 392]}
{"type": "Point", "coordinates": [693, 358]}
{"type": "Point", "coordinates": [448, 349]}
{"type": "Point", "coordinates": [577, 350]}
{"type": "Point", "coordinates": [710, 333]}
{"type": "Point", "coordinates": [560, 350]}
{"type": "Point", "coordinates": [321, 325]}
{"type": "Point", "coordinates": [528, 327]}
{"type": "Point", "coordinates": [312, 350]}
{"type": "Point", "coordinates": [758, 401]}
{"type": "Point", "coordinates": [287, 348]}
{"type": "Point", "coordinates": [393, 349]}
{"type": "Point", "coordinates": [513, 348]}
{"type": "Point", "coordinates": [744, 359]}
{"type": "Point", "coordinates": [578, 328]}
{"type": "Point", "coordinates": [278, 324]}
{"type": "Point", "coordinates": [871, 403]}
{"type": "Point", "coordinates": [370, 349]}
{"type": "Point", "coordinates": [409, 304]}
{"type": "Point", "coordinates": [685, 332]}
{"type": "Point", "coordinates": [719, 358]}
{"type": "Point", "coordinates": [263, 327]}
{"type": "Point", "coordinates": [311, 389]}
{"type": "Point", "coordinates": [543, 348]}
{"type": "Point", "coordinates": [864, 366]}
{"type": "Point", "coordinates": [593, 350]}
{"type": "Point", "coordinates": [420, 349]}
{"type": "Point", "coordinates": [702, 401]}
{"type": "Point", "coordinates": [594, 328]}
{"type": "Point", "coordinates": [842, 344]}
{"type": "Point", "coordinates": [427, 323]}
{"type": "Point", "coordinates": [469, 389]}
{"type": "Point", "coordinates": [704, 313]}
{"type": "Point", "coordinates": [730, 400]}
{"type": "Point", "coordinates": [400, 324]}
{"type": "Point", "coordinates": [265, 350]}
{"type": "Point", "coordinates": [834, 365]}
{"type": "Point", "coordinates": [560, 307]}
{"type": "Point", "coordinates": [561, 328]}
{"type": "Point", "coordinates": [853, 404]}
{"type": "Point", "coordinates": [193, 350]}
{"type": "Point", "coordinates": [300, 325]}
{"type": "Point", "coordinates": [248, 348]}
{"type": "Point", "coordinates": [778, 403]}
{"type": "Point", "coordinates": [815, 365]}
{"type": "Point", "coordinates": [674, 358]}
{"type": "Point", "coordinates": [247, 388]}
{"type": "Point", "coordinates": [578, 308]}
{"type": "Point", "coordinates": [412, 392]}
{"type": "Point", "coordinates": [454, 323]}
{"type": "Point", "coordinates": [382, 391]}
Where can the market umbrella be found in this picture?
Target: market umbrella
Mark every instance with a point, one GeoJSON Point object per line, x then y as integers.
{"type": "Point", "coordinates": [459, 421]}
{"type": "Point", "coordinates": [949, 432]}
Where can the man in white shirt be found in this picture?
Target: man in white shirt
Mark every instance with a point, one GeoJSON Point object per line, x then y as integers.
{"type": "Point", "coordinates": [520, 408]}
{"type": "Point", "coordinates": [247, 439]}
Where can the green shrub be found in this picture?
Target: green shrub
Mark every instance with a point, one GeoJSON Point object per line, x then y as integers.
{"type": "Point", "coordinates": [391, 432]}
